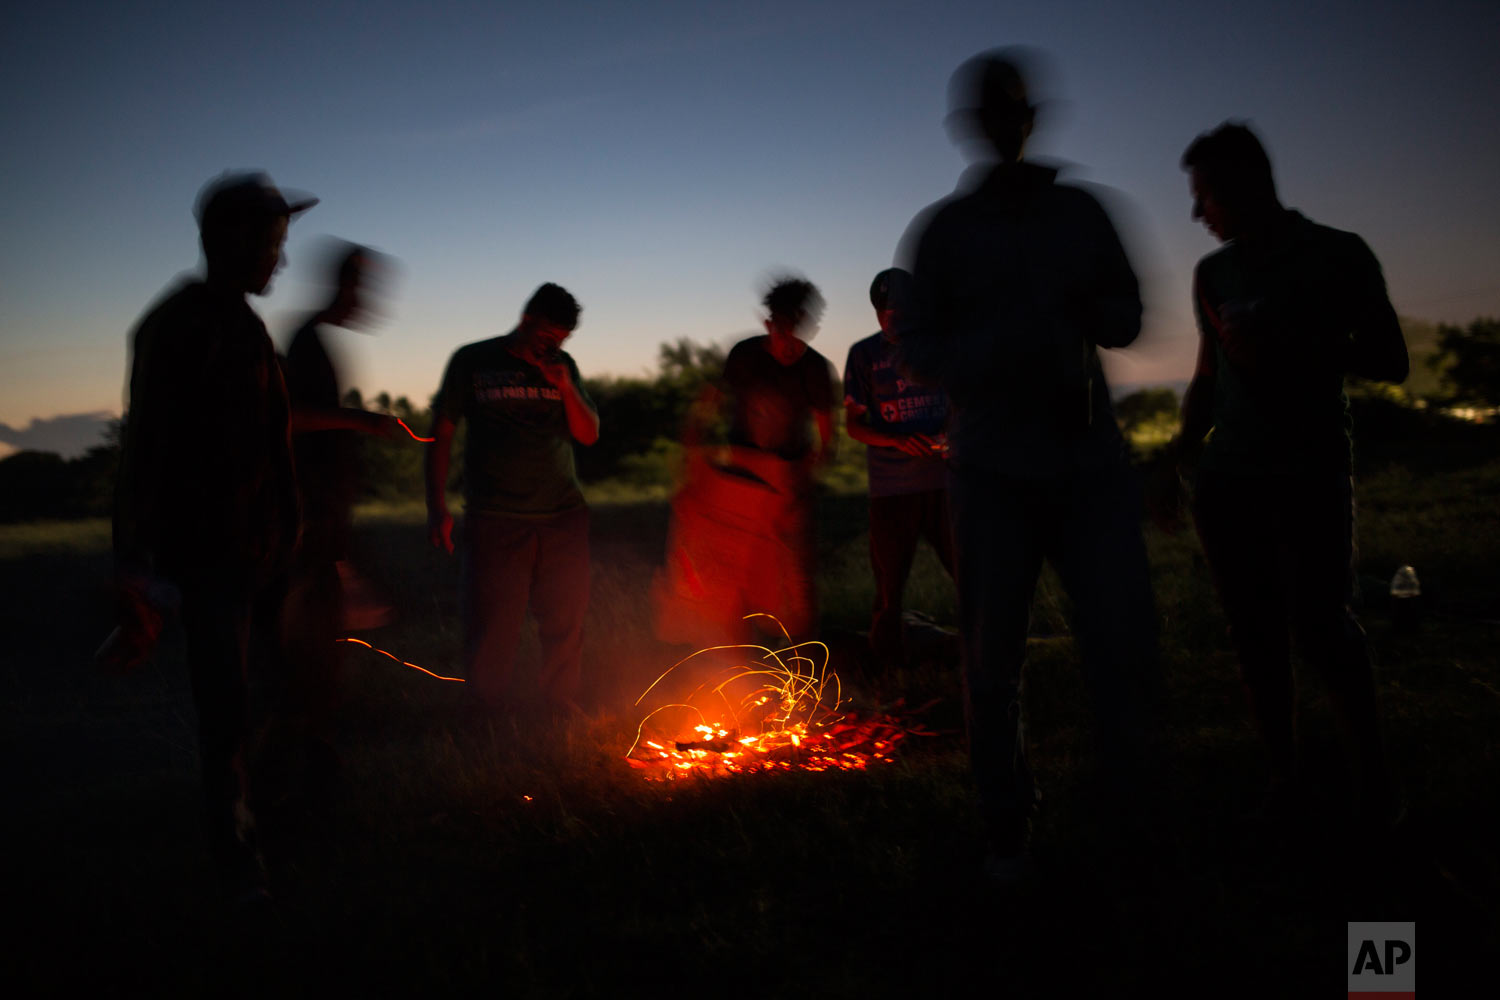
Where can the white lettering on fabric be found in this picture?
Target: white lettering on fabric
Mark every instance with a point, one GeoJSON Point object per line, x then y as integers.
{"type": "Point", "coordinates": [505, 392]}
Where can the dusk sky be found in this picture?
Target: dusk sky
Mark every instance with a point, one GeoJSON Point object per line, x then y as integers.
{"type": "Point", "coordinates": [660, 159]}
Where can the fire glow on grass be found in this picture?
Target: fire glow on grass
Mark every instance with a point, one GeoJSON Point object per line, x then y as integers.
{"type": "Point", "coordinates": [782, 711]}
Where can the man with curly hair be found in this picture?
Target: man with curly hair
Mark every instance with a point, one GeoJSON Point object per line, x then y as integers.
{"type": "Point", "coordinates": [742, 539]}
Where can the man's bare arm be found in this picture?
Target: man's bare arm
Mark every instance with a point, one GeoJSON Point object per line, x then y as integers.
{"type": "Point", "coordinates": [859, 430]}
{"type": "Point", "coordinates": [583, 419]}
{"type": "Point", "coordinates": [1197, 404]}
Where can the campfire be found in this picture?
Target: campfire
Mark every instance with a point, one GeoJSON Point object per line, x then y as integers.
{"type": "Point", "coordinates": [778, 710]}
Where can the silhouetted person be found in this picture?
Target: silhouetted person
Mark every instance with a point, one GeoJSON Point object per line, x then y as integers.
{"type": "Point", "coordinates": [526, 527]}
{"type": "Point", "coordinates": [1286, 309]}
{"type": "Point", "coordinates": [206, 497]}
{"type": "Point", "coordinates": [743, 525]}
{"type": "Point", "coordinates": [325, 448]}
{"type": "Point", "coordinates": [902, 423]}
{"type": "Point", "coordinates": [1017, 279]}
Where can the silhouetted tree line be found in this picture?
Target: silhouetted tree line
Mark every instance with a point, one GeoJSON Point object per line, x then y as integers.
{"type": "Point", "coordinates": [642, 417]}
{"type": "Point", "coordinates": [43, 484]}
{"type": "Point", "coordinates": [1469, 360]}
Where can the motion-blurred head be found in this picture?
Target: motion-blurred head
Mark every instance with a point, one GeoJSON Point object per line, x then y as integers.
{"type": "Point", "coordinates": [794, 308]}
{"type": "Point", "coordinates": [549, 317]}
{"type": "Point", "coordinates": [242, 223]}
{"type": "Point", "coordinates": [888, 291]}
{"type": "Point", "coordinates": [354, 276]}
{"type": "Point", "coordinates": [1230, 180]}
{"type": "Point", "coordinates": [990, 103]}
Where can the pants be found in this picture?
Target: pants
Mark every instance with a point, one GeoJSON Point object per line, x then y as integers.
{"type": "Point", "coordinates": [312, 622]}
{"type": "Point", "coordinates": [1281, 551]}
{"type": "Point", "coordinates": [510, 564]}
{"type": "Point", "coordinates": [1087, 524]}
{"type": "Point", "coordinates": [896, 525]}
{"type": "Point", "coordinates": [216, 621]}
{"type": "Point", "coordinates": [741, 543]}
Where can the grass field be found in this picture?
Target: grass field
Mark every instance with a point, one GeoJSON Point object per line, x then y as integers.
{"type": "Point", "coordinates": [460, 853]}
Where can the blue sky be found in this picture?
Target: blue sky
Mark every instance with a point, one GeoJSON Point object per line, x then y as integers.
{"type": "Point", "coordinates": [660, 159]}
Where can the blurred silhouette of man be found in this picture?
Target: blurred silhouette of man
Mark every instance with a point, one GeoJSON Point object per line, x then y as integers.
{"type": "Point", "coordinates": [902, 424]}
{"type": "Point", "coordinates": [206, 497]}
{"type": "Point", "coordinates": [1286, 309]}
{"type": "Point", "coordinates": [316, 610]}
{"type": "Point", "coordinates": [1017, 279]}
{"type": "Point", "coordinates": [526, 526]}
{"type": "Point", "coordinates": [743, 525]}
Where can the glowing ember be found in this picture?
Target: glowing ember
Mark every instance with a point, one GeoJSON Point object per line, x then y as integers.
{"type": "Point", "coordinates": [429, 673]}
{"type": "Point", "coordinates": [414, 435]}
{"type": "Point", "coordinates": [779, 712]}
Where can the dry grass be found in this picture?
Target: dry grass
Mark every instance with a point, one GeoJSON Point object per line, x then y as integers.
{"type": "Point", "coordinates": [429, 869]}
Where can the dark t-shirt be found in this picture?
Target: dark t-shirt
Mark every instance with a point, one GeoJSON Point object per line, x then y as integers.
{"type": "Point", "coordinates": [895, 406]}
{"type": "Point", "coordinates": [518, 453]}
{"type": "Point", "coordinates": [1297, 294]}
{"type": "Point", "coordinates": [773, 403]}
{"type": "Point", "coordinates": [326, 459]}
{"type": "Point", "coordinates": [1016, 280]}
{"type": "Point", "coordinates": [206, 482]}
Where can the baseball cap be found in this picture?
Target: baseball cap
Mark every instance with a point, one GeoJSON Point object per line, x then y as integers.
{"type": "Point", "coordinates": [891, 280]}
{"type": "Point", "coordinates": [235, 197]}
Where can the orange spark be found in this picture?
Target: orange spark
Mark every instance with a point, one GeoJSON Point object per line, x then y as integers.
{"type": "Point", "coordinates": [415, 437]}
{"type": "Point", "coordinates": [429, 673]}
{"type": "Point", "coordinates": [794, 701]}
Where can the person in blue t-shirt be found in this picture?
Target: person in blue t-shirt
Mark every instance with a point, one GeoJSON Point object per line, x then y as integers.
{"type": "Point", "coordinates": [902, 423]}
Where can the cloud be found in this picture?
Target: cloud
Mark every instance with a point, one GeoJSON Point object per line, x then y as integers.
{"type": "Point", "coordinates": [69, 435]}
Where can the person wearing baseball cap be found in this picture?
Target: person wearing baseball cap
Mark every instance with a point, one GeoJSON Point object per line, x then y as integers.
{"type": "Point", "coordinates": [901, 423]}
{"type": "Point", "coordinates": [238, 214]}
{"type": "Point", "coordinates": [206, 502]}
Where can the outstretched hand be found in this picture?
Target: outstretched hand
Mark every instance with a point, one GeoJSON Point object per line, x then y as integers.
{"type": "Point", "coordinates": [138, 626]}
{"type": "Point", "coordinates": [917, 445]}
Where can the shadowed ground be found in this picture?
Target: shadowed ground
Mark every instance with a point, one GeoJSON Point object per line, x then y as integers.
{"type": "Point", "coordinates": [428, 868]}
